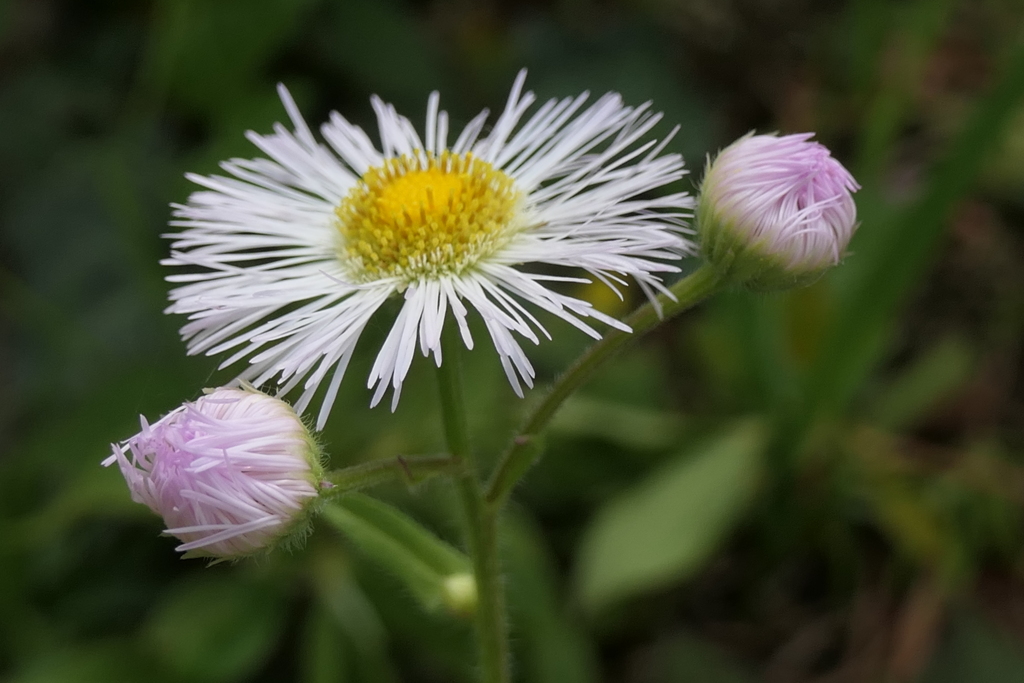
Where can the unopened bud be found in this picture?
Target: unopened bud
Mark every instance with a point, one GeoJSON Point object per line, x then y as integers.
{"type": "Point", "coordinates": [776, 212]}
{"type": "Point", "coordinates": [232, 474]}
{"type": "Point", "coordinates": [459, 594]}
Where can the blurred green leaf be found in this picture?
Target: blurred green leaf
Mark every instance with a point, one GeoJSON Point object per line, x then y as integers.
{"type": "Point", "coordinates": [399, 544]}
{"type": "Point", "coordinates": [429, 641]}
{"type": "Point", "coordinates": [211, 53]}
{"type": "Point", "coordinates": [99, 491]}
{"type": "Point", "coordinates": [686, 659]}
{"type": "Point", "coordinates": [867, 23]}
{"type": "Point", "coordinates": [916, 529]}
{"type": "Point", "coordinates": [626, 426]}
{"type": "Point", "coordinates": [1005, 174]}
{"type": "Point", "coordinates": [432, 551]}
{"type": "Point", "coordinates": [322, 651]}
{"type": "Point", "coordinates": [218, 627]}
{"type": "Point", "coordinates": [913, 35]}
{"type": "Point", "coordinates": [632, 60]}
{"type": "Point", "coordinates": [552, 648]}
{"type": "Point", "coordinates": [664, 529]}
{"type": "Point", "coordinates": [359, 634]}
{"type": "Point", "coordinates": [101, 662]}
{"type": "Point", "coordinates": [931, 377]}
{"type": "Point", "coordinates": [975, 652]}
{"type": "Point", "coordinates": [383, 48]}
{"type": "Point", "coordinates": [914, 512]}
{"type": "Point", "coordinates": [892, 256]}
{"type": "Point", "coordinates": [745, 342]}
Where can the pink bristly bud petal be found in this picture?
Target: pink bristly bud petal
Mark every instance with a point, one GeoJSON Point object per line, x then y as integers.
{"type": "Point", "coordinates": [776, 212]}
{"type": "Point", "coordinates": [232, 474]}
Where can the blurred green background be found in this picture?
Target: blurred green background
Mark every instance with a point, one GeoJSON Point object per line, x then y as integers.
{"type": "Point", "coordinates": [825, 485]}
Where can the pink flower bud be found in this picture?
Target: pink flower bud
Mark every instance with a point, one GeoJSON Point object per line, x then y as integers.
{"type": "Point", "coordinates": [776, 212]}
{"type": "Point", "coordinates": [232, 474]}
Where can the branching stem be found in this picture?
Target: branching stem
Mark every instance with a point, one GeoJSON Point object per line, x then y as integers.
{"type": "Point", "coordinates": [524, 451]}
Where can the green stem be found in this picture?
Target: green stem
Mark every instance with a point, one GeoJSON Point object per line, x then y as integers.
{"type": "Point", "coordinates": [524, 450]}
{"type": "Point", "coordinates": [410, 469]}
{"type": "Point", "coordinates": [481, 520]}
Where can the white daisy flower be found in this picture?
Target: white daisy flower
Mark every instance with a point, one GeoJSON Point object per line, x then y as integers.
{"type": "Point", "coordinates": [291, 256]}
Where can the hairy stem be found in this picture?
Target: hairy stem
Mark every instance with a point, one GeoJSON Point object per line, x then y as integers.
{"type": "Point", "coordinates": [524, 450]}
{"type": "Point", "coordinates": [481, 521]}
{"type": "Point", "coordinates": [410, 469]}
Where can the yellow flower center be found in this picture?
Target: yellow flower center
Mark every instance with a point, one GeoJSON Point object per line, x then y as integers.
{"type": "Point", "coordinates": [426, 215]}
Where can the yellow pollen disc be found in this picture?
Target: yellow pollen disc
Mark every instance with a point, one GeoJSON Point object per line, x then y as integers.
{"type": "Point", "coordinates": [426, 215]}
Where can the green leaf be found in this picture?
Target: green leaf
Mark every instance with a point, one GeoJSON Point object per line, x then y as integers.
{"type": "Point", "coordinates": [209, 54]}
{"type": "Point", "coordinates": [217, 628]}
{"type": "Point", "coordinates": [432, 551]}
{"type": "Point", "coordinates": [932, 377]}
{"type": "Point", "coordinates": [686, 659]}
{"type": "Point", "coordinates": [665, 528]}
{"type": "Point", "coordinates": [920, 25]}
{"type": "Point", "coordinates": [626, 426]}
{"type": "Point", "coordinates": [550, 647]}
{"type": "Point", "coordinates": [892, 255]}
{"type": "Point", "coordinates": [440, 644]}
{"type": "Point", "coordinates": [323, 655]}
{"type": "Point", "coordinates": [334, 651]}
{"type": "Point", "coordinates": [95, 491]}
{"type": "Point", "coordinates": [98, 662]}
{"type": "Point", "coordinates": [398, 543]}
{"type": "Point", "coordinates": [342, 599]}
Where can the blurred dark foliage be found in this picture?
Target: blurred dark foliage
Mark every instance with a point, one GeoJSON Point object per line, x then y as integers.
{"type": "Point", "coordinates": [842, 466]}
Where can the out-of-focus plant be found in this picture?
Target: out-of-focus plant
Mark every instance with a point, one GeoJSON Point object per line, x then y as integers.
{"type": "Point", "coordinates": [838, 463]}
{"type": "Point", "coordinates": [293, 256]}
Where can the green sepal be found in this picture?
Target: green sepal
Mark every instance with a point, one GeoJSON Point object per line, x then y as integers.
{"type": "Point", "coordinates": [742, 261]}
